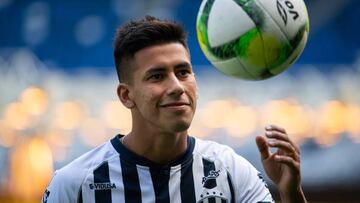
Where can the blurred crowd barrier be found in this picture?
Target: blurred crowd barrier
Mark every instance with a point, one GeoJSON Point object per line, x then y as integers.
{"type": "Point", "coordinates": [48, 117]}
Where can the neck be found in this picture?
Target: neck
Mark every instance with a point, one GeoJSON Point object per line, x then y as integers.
{"type": "Point", "coordinates": [159, 147]}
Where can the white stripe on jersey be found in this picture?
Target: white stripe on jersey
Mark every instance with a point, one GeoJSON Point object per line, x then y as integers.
{"type": "Point", "coordinates": [197, 163]}
{"type": "Point", "coordinates": [174, 184]}
{"type": "Point", "coordinates": [146, 185]}
{"type": "Point", "coordinates": [88, 195]}
{"type": "Point", "coordinates": [116, 177]}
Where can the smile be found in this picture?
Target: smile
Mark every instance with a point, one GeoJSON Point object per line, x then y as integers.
{"type": "Point", "coordinates": [175, 104]}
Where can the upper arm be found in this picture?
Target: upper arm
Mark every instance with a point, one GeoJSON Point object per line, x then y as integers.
{"type": "Point", "coordinates": [62, 189]}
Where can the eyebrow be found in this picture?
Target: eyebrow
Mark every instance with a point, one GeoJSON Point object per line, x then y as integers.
{"type": "Point", "coordinates": [157, 69]}
{"type": "Point", "coordinates": [183, 65]}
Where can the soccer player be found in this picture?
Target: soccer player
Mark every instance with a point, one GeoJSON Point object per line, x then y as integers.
{"type": "Point", "coordinates": [158, 161]}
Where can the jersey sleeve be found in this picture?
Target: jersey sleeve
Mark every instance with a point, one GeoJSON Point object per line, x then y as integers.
{"type": "Point", "coordinates": [248, 182]}
{"type": "Point", "coordinates": [63, 188]}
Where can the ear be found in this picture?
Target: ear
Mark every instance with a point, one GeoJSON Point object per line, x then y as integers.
{"type": "Point", "coordinates": [124, 94]}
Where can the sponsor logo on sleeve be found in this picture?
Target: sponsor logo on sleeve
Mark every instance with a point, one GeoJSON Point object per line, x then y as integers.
{"type": "Point", "coordinates": [46, 196]}
{"type": "Point", "coordinates": [102, 186]}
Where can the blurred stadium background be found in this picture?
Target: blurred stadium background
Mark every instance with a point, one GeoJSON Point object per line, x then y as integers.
{"type": "Point", "coordinates": [58, 97]}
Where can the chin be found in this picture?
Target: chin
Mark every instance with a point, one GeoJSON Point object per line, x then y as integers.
{"type": "Point", "coordinates": [180, 127]}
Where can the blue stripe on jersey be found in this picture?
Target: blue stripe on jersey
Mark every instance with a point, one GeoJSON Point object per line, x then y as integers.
{"type": "Point", "coordinates": [80, 198]}
{"type": "Point", "coordinates": [160, 179]}
{"type": "Point", "coordinates": [101, 175]}
{"type": "Point", "coordinates": [131, 182]}
{"type": "Point", "coordinates": [212, 200]}
{"type": "Point", "coordinates": [187, 188]}
{"type": "Point", "coordinates": [209, 182]}
{"type": "Point", "coordinates": [231, 188]}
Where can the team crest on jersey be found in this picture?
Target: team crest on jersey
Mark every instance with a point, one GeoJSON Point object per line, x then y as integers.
{"type": "Point", "coordinates": [209, 178]}
{"type": "Point", "coordinates": [213, 199]}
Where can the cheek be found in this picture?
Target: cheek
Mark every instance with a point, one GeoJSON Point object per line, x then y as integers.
{"type": "Point", "coordinates": [149, 96]}
{"type": "Point", "coordinates": [192, 92]}
{"type": "Point", "coordinates": [193, 89]}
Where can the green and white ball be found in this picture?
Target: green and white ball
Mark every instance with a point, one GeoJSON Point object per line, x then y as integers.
{"type": "Point", "coordinates": [252, 39]}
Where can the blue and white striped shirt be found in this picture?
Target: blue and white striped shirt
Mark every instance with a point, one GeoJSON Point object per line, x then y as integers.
{"type": "Point", "coordinates": [207, 173]}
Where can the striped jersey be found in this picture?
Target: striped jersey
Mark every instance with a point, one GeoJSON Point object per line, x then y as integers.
{"type": "Point", "coordinates": [207, 172]}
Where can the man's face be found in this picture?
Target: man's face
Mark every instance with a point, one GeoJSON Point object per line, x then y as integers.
{"type": "Point", "coordinates": [163, 88]}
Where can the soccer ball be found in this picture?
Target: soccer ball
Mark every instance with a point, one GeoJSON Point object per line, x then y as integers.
{"type": "Point", "coordinates": [252, 39]}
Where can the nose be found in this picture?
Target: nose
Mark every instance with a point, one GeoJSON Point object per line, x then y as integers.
{"type": "Point", "coordinates": [175, 86]}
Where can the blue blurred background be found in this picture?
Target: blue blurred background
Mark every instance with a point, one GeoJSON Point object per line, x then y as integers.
{"type": "Point", "coordinates": [57, 87]}
{"type": "Point", "coordinates": [70, 34]}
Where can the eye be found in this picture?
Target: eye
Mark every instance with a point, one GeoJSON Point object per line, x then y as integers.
{"type": "Point", "coordinates": [155, 77]}
{"type": "Point", "coordinates": [183, 73]}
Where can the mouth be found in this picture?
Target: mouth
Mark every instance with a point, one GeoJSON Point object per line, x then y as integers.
{"type": "Point", "coordinates": [175, 104]}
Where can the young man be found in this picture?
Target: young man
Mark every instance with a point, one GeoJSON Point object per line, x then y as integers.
{"type": "Point", "coordinates": [158, 161]}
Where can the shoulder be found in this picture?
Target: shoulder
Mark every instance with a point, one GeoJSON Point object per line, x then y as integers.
{"type": "Point", "coordinates": [246, 179]}
{"type": "Point", "coordinates": [76, 169]}
{"type": "Point", "coordinates": [67, 181]}
{"type": "Point", "coordinates": [224, 157]}
{"type": "Point", "coordinates": [208, 147]}
{"type": "Point", "coordinates": [218, 152]}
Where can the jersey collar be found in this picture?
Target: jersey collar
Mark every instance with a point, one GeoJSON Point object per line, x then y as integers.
{"type": "Point", "coordinates": [131, 157]}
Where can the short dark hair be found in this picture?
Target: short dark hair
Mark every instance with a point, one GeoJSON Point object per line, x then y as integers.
{"type": "Point", "coordinates": [136, 35]}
